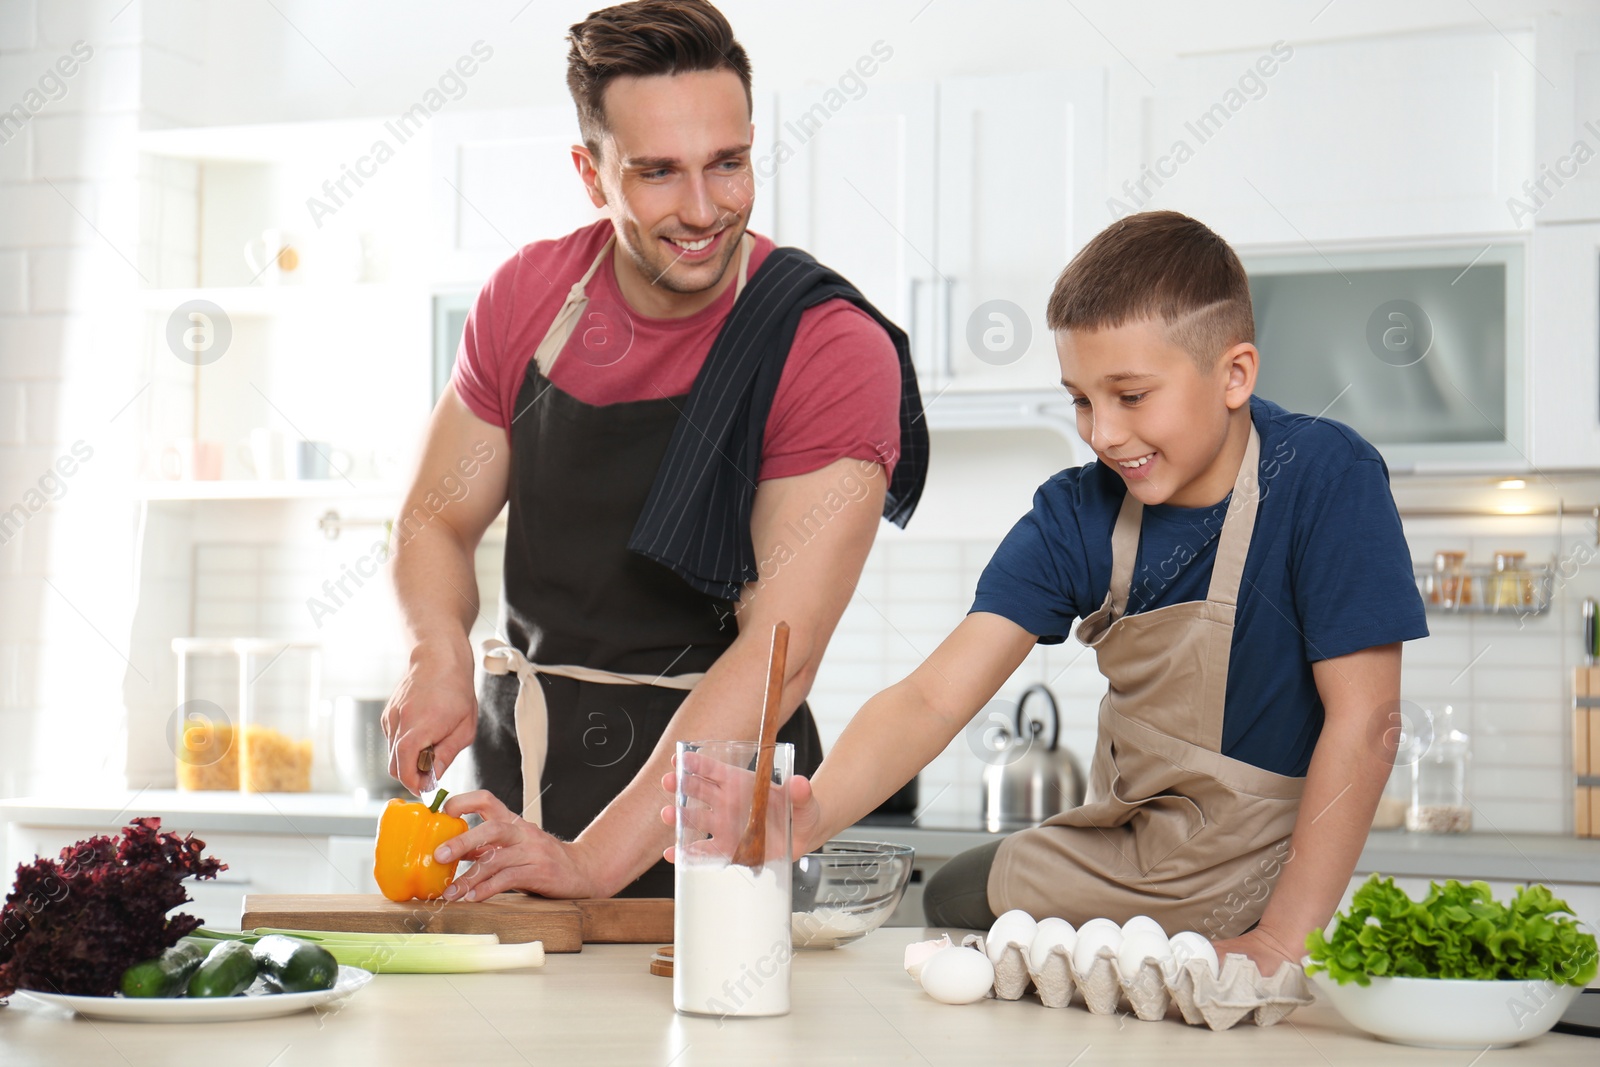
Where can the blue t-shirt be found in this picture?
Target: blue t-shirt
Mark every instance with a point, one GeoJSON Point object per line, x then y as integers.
{"type": "Point", "coordinates": [1328, 573]}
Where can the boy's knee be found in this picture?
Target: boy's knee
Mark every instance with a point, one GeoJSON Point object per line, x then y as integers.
{"type": "Point", "coordinates": [957, 895]}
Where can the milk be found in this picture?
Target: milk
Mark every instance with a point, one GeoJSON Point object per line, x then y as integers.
{"type": "Point", "coordinates": [731, 939]}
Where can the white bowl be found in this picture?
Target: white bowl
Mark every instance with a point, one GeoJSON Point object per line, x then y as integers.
{"type": "Point", "coordinates": [1451, 1013]}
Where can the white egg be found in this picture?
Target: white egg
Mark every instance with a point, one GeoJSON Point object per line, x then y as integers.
{"type": "Point", "coordinates": [1051, 932]}
{"type": "Point", "coordinates": [1139, 946]}
{"type": "Point", "coordinates": [957, 975]}
{"type": "Point", "coordinates": [1189, 945]}
{"type": "Point", "coordinates": [1143, 922]}
{"type": "Point", "coordinates": [1014, 926]}
{"type": "Point", "coordinates": [1091, 939]}
{"type": "Point", "coordinates": [1098, 924]}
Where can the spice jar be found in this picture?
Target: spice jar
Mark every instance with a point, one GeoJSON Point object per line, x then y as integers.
{"type": "Point", "coordinates": [1439, 780]}
{"type": "Point", "coordinates": [1512, 584]}
{"type": "Point", "coordinates": [1451, 588]}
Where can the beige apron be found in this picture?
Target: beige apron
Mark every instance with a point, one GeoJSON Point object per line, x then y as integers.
{"type": "Point", "coordinates": [1171, 828]}
{"type": "Point", "coordinates": [532, 713]}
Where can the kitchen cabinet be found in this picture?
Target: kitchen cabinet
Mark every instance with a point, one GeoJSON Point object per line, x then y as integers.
{"type": "Point", "coordinates": [1397, 136]}
{"type": "Point", "coordinates": [1568, 136]}
{"type": "Point", "coordinates": [500, 179]}
{"type": "Point", "coordinates": [952, 206]}
{"type": "Point", "coordinates": [857, 192]}
{"type": "Point", "coordinates": [1564, 378]}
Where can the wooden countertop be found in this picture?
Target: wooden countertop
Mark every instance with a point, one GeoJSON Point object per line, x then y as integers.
{"type": "Point", "coordinates": [602, 1006]}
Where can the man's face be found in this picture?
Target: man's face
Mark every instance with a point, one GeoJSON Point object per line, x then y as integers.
{"type": "Point", "coordinates": [1150, 413]}
{"type": "Point", "coordinates": [674, 173]}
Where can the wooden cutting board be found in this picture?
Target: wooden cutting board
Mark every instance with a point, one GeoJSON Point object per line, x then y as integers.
{"type": "Point", "coordinates": [563, 925]}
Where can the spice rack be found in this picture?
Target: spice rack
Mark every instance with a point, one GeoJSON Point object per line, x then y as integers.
{"type": "Point", "coordinates": [1478, 589]}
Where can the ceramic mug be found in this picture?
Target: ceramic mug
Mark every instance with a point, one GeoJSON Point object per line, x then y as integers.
{"type": "Point", "coordinates": [188, 460]}
{"type": "Point", "coordinates": [318, 460]}
{"type": "Point", "coordinates": [266, 454]}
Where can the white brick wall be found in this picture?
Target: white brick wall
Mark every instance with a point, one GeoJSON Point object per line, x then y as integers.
{"type": "Point", "coordinates": [68, 361]}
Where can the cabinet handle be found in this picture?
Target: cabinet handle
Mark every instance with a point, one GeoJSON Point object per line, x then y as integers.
{"type": "Point", "coordinates": [228, 881]}
{"type": "Point", "coordinates": [914, 330]}
{"type": "Point", "coordinates": [947, 292]}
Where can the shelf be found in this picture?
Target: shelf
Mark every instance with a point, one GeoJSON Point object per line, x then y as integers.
{"type": "Point", "coordinates": [273, 299]}
{"type": "Point", "coordinates": [244, 489]}
{"type": "Point", "coordinates": [267, 142]}
{"type": "Point", "coordinates": [1476, 584]}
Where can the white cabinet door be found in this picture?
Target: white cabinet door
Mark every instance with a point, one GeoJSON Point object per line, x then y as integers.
{"type": "Point", "coordinates": [1564, 368]}
{"type": "Point", "coordinates": [501, 179]}
{"type": "Point", "coordinates": [1564, 184]}
{"type": "Point", "coordinates": [857, 192]}
{"type": "Point", "coordinates": [1401, 136]}
{"type": "Point", "coordinates": [1020, 190]}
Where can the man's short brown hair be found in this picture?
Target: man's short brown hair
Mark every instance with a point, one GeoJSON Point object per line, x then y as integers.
{"type": "Point", "coordinates": [1163, 266]}
{"type": "Point", "coordinates": [642, 39]}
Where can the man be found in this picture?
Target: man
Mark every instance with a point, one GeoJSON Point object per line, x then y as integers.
{"type": "Point", "coordinates": [696, 434]}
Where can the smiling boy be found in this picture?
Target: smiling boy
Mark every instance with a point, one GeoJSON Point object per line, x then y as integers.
{"type": "Point", "coordinates": [1242, 575]}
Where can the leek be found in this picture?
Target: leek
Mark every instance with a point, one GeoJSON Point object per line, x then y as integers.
{"type": "Point", "coordinates": [407, 953]}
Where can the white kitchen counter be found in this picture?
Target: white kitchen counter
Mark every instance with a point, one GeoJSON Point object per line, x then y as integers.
{"type": "Point", "coordinates": [602, 1006]}
{"type": "Point", "coordinates": [1511, 857]}
{"type": "Point", "coordinates": [314, 814]}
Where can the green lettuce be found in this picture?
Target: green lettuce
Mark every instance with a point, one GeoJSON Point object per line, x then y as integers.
{"type": "Point", "coordinates": [1457, 931]}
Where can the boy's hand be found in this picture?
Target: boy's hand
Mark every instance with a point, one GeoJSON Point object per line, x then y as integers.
{"type": "Point", "coordinates": [720, 799]}
{"type": "Point", "coordinates": [1267, 950]}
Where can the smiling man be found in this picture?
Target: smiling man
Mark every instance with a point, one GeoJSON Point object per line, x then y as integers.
{"type": "Point", "coordinates": [667, 398]}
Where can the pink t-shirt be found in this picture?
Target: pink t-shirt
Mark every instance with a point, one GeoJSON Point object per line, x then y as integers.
{"type": "Point", "coordinates": [838, 396]}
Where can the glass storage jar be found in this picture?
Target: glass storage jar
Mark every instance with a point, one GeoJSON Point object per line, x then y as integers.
{"type": "Point", "coordinates": [1439, 780]}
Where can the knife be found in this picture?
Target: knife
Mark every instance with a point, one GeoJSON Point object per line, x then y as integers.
{"type": "Point", "coordinates": [430, 781]}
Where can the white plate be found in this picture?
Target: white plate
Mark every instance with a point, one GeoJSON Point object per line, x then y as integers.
{"type": "Point", "coordinates": [204, 1009]}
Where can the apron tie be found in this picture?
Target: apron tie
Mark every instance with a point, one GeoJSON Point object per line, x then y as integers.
{"type": "Point", "coordinates": [533, 716]}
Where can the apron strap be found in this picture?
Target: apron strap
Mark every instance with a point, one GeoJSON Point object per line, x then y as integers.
{"type": "Point", "coordinates": [1124, 552]}
{"type": "Point", "coordinates": [566, 320]}
{"type": "Point", "coordinates": [533, 715]}
{"type": "Point", "coordinates": [1240, 522]}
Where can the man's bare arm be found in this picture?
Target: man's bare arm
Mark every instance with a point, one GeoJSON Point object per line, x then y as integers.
{"type": "Point", "coordinates": [456, 492]}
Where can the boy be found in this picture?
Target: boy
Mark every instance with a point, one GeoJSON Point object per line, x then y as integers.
{"type": "Point", "coordinates": [1240, 572]}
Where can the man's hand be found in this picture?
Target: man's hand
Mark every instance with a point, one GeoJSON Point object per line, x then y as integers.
{"type": "Point", "coordinates": [433, 705]}
{"type": "Point", "coordinates": [1268, 950]}
{"type": "Point", "coordinates": [509, 852]}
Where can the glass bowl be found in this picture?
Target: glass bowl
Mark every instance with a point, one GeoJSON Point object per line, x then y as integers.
{"type": "Point", "coordinates": [846, 889]}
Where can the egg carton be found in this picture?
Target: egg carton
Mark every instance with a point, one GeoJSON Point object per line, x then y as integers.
{"type": "Point", "coordinates": [1218, 1000]}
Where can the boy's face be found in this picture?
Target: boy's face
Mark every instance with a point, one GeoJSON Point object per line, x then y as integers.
{"type": "Point", "coordinates": [1153, 416]}
{"type": "Point", "coordinates": [674, 174]}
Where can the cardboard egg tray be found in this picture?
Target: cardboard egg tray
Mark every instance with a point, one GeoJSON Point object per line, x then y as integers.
{"type": "Point", "coordinates": [1219, 1001]}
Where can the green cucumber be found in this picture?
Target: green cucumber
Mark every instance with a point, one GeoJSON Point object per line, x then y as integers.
{"type": "Point", "coordinates": [167, 974]}
{"type": "Point", "coordinates": [295, 965]}
{"type": "Point", "coordinates": [227, 971]}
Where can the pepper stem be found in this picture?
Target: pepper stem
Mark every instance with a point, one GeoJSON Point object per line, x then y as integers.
{"type": "Point", "coordinates": [438, 799]}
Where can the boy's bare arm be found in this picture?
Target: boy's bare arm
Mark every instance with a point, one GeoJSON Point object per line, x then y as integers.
{"type": "Point", "coordinates": [899, 731]}
{"type": "Point", "coordinates": [1348, 770]}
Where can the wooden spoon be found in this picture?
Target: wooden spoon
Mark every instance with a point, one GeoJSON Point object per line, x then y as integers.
{"type": "Point", "coordinates": [752, 850]}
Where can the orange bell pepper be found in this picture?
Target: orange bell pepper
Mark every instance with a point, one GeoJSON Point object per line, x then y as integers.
{"type": "Point", "coordinates": [403, 863]}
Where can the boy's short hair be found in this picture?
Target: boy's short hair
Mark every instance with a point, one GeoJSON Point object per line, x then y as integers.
{"type": "Point", "coordinates": [642, 39]}
{"type": "Point", "coordinates": [1159, 265]}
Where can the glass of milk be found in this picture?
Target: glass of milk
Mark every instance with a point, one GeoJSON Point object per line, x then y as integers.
{"type": "Point", "coordinates": [731, 946]}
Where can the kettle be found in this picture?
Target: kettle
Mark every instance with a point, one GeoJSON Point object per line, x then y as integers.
{"type": "Point", "coordinates": [1028, 780]}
